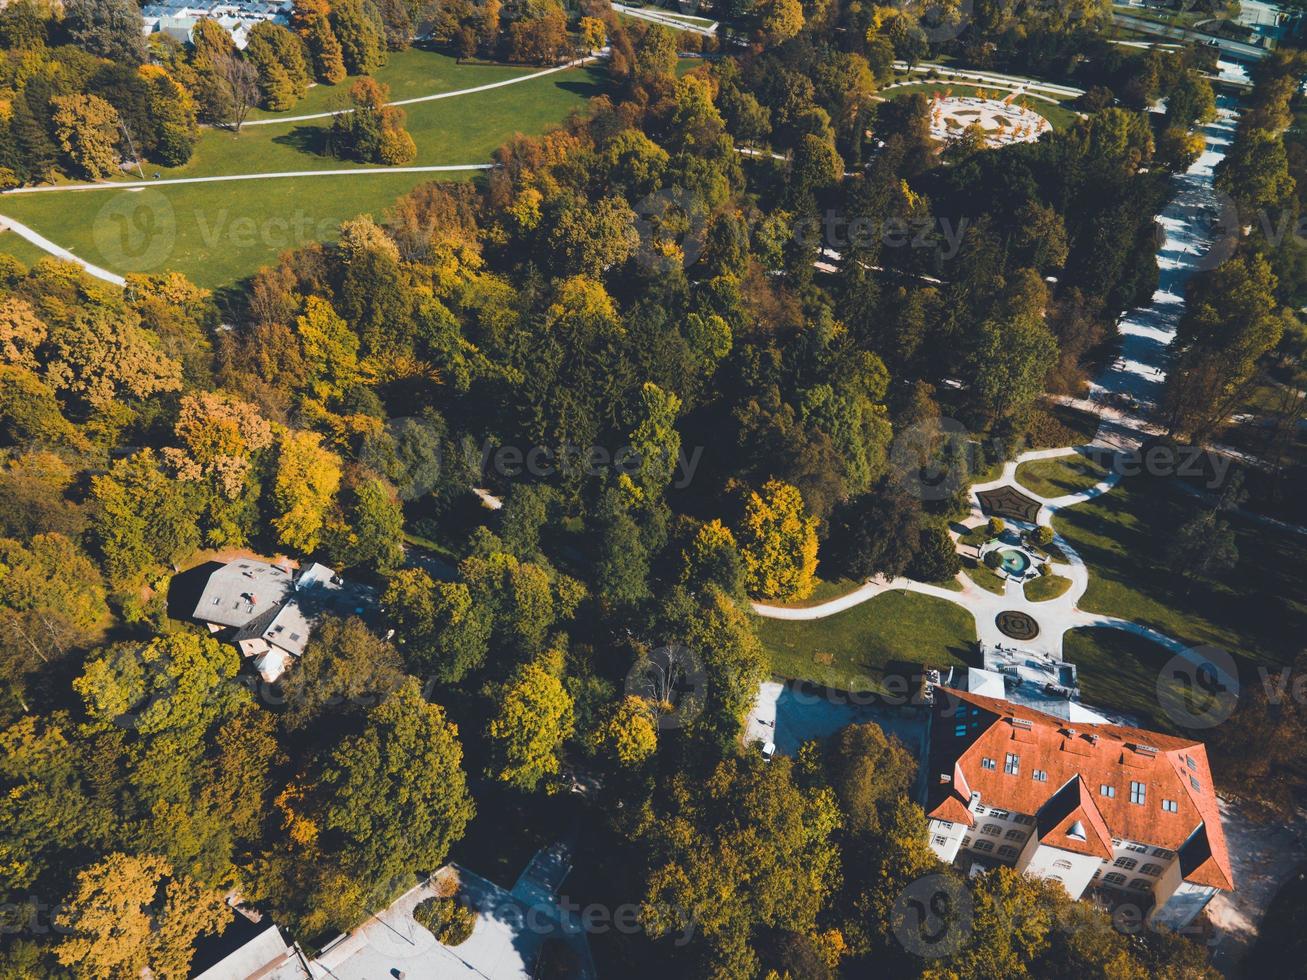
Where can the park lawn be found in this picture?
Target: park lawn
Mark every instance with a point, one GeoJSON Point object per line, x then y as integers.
{"type": "Point", "coordinates": [410, 75]}
{"type": "Point", "coordinates": [217, 233]}
{"type": "Point", "coordinates": [1046, 587]}
{"type": "Point", "coordinates": [859, 642]}
{"type": "Point", "coordinates": [823, 591]}
{"type": "Point", "coordinates": [1119, 671]}
{"type": "Point", "coordinates": [462, 130]}
{"type": "Point", "coordinates": [1061, 475]}
{"type": "Point", "coordinates": [20, 248]}
{"type": "Point", "coordinates": [984, 576]}
{"type": "Point", "coordinates": [1057, 113]}
{"type": "Point", "coordinates": [1257, 610]}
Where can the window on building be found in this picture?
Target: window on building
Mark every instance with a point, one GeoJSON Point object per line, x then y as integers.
{"type": "Point", "coordinates": [1114, 879]}
{"type": "Point", "coordinates": [1189, 761]}
{"type": "Point", "coordinates": [1007, 851]}
{"type": "Point", "coordinates": [1137, 848]}
{"type": "Point", "coordinates": [1057, 878]}
{"type": "Point", "coordinates": [1170, 806]}
{"type": "Point", "coordinates": [1194, 783]}
{"type": "Point", "coordinates": [1105, 790]}
{"type": "Point", "coordinates": [1024, 819]}
{"type": "Point", "coordinates": [1141, 884]}
{"type": "Point", "coordinates": [1040, 776]}
{"type": "Point", "coordinates": [1152, 869]}
{"type": "Point", "coordinates": [1012, 765]}
{"type": "Point", "coordinates": [966, 841]}
{"type": "Point", "coordinates": [984, 845]}
{"type": "Point", "coordinates": [998, 814]}
{"type": "Point", "coordinates": [1137, 792]}
{"type": "Point", "coordinates": [1015, 834]}
{"type": "Point", "coordinates": [1061, 865]}
{"type": "Point", "coordinates": [941, 840]}
{"type": "Point", "coordinates": [1163, 853]}
{"type": "Point", "coordinates": [1128, 863]}
{"type": "Point", "coordinates": [987, 763]}
{"type": "Point", "coordinates": [959, 730]}
{"type": "Point", "coordinates": [991, 830]}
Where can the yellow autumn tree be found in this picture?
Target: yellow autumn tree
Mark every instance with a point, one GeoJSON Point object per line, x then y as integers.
{"type": "Point", "coordinates": [778, 542]}
{"type": "Point", "coordinates": [304, 490]}
{"type": "Point", "coordinates": [627, 734]}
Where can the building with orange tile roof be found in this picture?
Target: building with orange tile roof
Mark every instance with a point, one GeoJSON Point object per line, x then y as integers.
{"type": "Point", "coordinates": [1092, 806]}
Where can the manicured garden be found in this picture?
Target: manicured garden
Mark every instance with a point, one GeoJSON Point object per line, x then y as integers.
{"type": "Point", "coordinates": [1256, 609]}
{"type": "Point", "coordinates": [1061, 475]}
{"type": "Point", "coordinates": [1046, 587]}
{"type": "Point", "coordinates": [984, 576]}
{"type": "Point", "coordinates": [850, 649]}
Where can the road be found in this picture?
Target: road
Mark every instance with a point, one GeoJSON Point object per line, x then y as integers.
{"type": "Point", "coordinates": [1235, 49]}
{"type": "Point", "coordinates": [951, 72]}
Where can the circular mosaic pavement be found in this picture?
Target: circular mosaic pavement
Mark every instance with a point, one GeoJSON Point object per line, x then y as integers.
{"type": "Point", "coordinates": [1016, 624]}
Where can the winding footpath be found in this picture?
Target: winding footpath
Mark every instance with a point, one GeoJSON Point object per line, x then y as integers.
{"type": "Point", "coordinates": [1138, 373]}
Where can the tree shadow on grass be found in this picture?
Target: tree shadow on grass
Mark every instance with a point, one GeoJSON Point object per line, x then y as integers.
{"type": "Point", "coordinates": [305, 139]}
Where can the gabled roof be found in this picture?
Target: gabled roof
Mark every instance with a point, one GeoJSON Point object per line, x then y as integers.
{"type": "Point", "coordinates": [1085, 757]}
{"type": "Point", "coordinates": [1071, 821]}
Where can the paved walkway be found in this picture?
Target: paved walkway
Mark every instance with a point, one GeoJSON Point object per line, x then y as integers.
{"type": "Point", "coordinates": [59, 252]}
{"type": "Point", "coordinates": [705, 29]}
{"type": "Point", "coordinates": [432, 98]}
{"type": "Point", "coordinates": [121, 185]}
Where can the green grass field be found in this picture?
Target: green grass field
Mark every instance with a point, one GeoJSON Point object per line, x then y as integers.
{"type": "Point", "coordinates": [1058, 113]}
{"type": "Point", "coordinates": [20, 248]}
{"type": "Point", "coordinates": [1257, 610]}
{"type": "Point", "coordinates": [1046, 587]}
{"type": "Point", "coordinates": [860, 641]}
{"type": "Point", "coordinates": [984, 576]}
{"type": "Point", "coordinates": [823, 591]}
{"type": "Point", "coordinates": [221, 232]}
{"type": "Point", "coordinates": [1060, 475]}
{"type": "Point", "coordinates": [410, 74]}
{"type": "Point", "coordinates": [1120, 671]}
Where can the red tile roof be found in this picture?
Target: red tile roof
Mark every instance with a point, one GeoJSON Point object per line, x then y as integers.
{"type": "Point", "coordinates": [1087, 757]}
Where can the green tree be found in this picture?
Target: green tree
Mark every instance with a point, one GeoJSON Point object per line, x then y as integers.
{"type": "Point", "coordinates": [442, 630]}
{"type": "Point", "coordinates": [1230, 323]}
{"type": "Point", "coordinates": [108, 28]}
{"type": "Point", "coordinates": [278, 56]}
{"type": "Point", "coordinates": [533, 720]}
{"type": "Point", "coordinates": [142, 519]}
{"type": "Point", "coordinates": [359, 30]}
{"type": "Point", "coordinates": [396, 793]}
{"type": "Point", "coordinates": [373, 532]}
{"type": "Point", "coordinates": [345, 669]}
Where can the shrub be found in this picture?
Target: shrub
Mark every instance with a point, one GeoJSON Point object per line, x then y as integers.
{"type": "Point", "coordinates": [397, 147]}
{"type": "Point", "coordinates": [995, 527]}
{"type": "Point", "coordinates": [1042, 536]}
{"type": "Point", "coordinates": [448, 919]}
{"type": "Point", "coordinates": [993, 559]}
